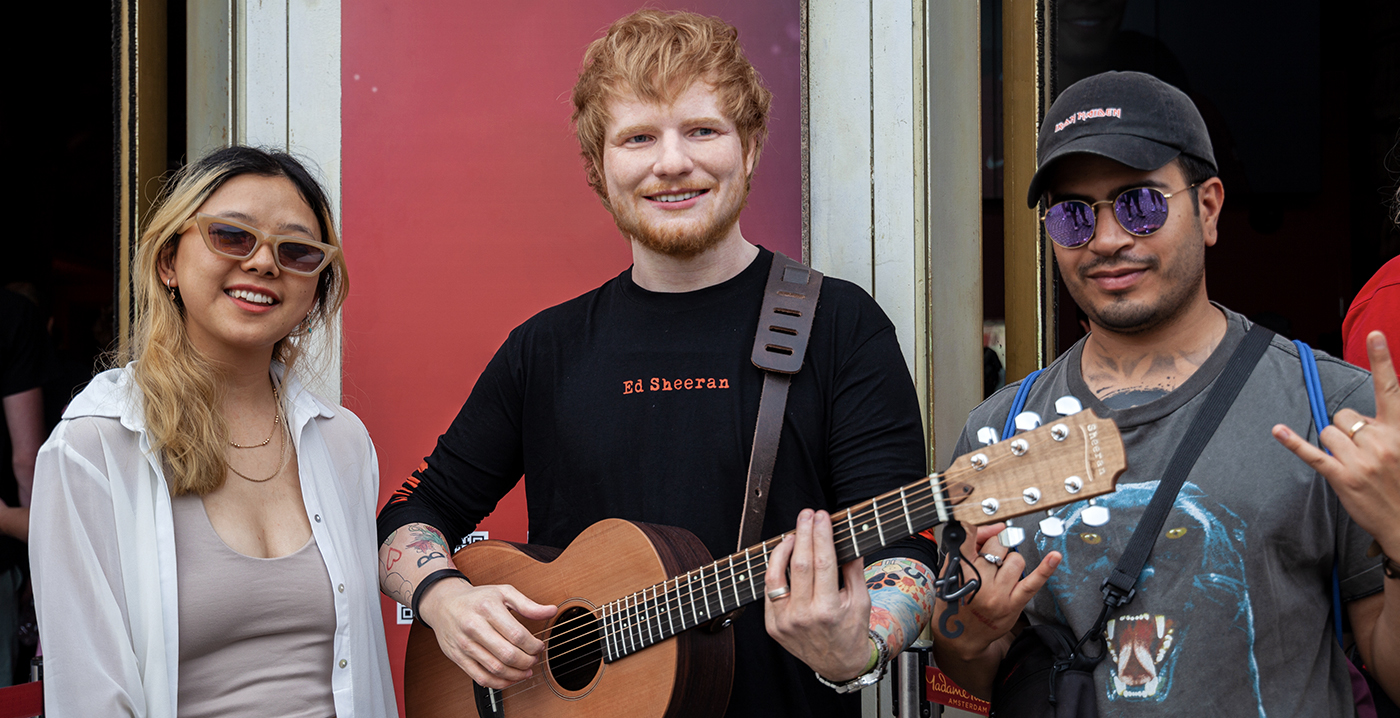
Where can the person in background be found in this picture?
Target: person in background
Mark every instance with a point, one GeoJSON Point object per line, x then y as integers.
{"type": "Point", "coordinates": [21, 433]}
{"type": "Point", "coordinates": [203, 537]}
{"type": "Point", "coordinates": [1376, 310]}
{"type": "Point", "coordinates": [1376, 307]}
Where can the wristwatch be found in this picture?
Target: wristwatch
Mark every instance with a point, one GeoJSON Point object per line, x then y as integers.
{"type": "Point", "coordinates": [882, 659]}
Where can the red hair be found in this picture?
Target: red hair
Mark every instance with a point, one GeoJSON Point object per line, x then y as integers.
{"type": "Point", "coordinates": [657, 56]}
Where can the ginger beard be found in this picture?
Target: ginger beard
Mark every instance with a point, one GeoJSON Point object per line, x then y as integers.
{"type": "Point", "coordinates": [683, 236]}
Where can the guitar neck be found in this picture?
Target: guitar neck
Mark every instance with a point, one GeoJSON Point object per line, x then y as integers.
{"type": "Point", "coordinates": [1076, 457]}
{"type": "Point", "coordinates": [658, 612]}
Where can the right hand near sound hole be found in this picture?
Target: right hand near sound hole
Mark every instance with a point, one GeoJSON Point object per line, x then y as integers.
{"type": "Point", "coordinates": [476, 629]}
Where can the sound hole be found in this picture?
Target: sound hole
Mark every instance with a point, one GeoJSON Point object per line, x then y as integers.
{"type": "Point", "coordinates": [574, 650]}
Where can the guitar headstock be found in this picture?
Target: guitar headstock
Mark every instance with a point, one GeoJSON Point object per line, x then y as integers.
{"type": "Point", "coordinates": [1069, 459]}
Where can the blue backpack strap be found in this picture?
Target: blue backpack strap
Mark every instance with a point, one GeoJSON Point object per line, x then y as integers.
{"type": "Point", "coordinates": [1319, 412]}
{"type": "Point", "coordinates": [1314, 385]}
{"type": "Point", "coordinates": [1019, 403]}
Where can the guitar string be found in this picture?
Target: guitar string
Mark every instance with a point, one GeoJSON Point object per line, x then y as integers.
{"type": "Point", "coordinates": [562, 662]}
{"type": "Point", "coordinates": [651, 609]}
{"type": "Point", "coordinates": [646, 611]}
{"type": "Point", "coordinates": [638, 618]}
{"type": "Point", "coordinates": [515, 690]}
{"type": "Point", "coordinates": [666, 602]}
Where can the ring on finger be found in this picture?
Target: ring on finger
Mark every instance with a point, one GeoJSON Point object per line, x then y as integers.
{"type": "Point", "coordinates": [1358, 426]}
{"type": "Point", "coordinates": [779, 592]}
{"type": "Point", "coordinates": [993, 559]}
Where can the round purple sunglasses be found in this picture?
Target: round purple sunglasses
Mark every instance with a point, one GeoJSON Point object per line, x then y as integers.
{"type": "Point", "coordinates": [1140, 211]}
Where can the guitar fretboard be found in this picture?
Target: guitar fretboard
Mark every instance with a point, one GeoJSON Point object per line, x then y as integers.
{"type": "Point", "coordinates": [658, 612]}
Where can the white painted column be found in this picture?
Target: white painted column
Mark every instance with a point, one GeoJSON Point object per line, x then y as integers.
{"type": "Point", "coordinates": [261, 78]}
{"type": "Point", "coordinates": [209, 77]}
{"type": "Point", "coordinates": [865, 168]}
{"type": "Point", "coordinates": [894, 184]}
{"type": "Point", "coordinates": [893, 93]}
{"type": "Point", "coordinates": [839, 137]}
{"type": "Point", "coordinates": [313, 135]}
{"type": "Point", "coordinates": [896, 120]}
{"type": "Point", "coordinates": [954, 234]}
{"type": "Point", "coordinates": [287, 97]}
{"type": "Point", "coordinates": [864, 120]}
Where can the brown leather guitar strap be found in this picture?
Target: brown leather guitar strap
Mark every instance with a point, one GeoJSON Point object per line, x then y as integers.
{"type": "Point", "coordinates": [779, 346]}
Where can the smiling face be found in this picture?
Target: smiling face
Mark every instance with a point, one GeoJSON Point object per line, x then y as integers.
{"type": "Point", "coordinates": [1124, 283]}
{"type": "Point", "coordinates": [676, 174]}
{"type": "Point", "coordinates": [234, 308]}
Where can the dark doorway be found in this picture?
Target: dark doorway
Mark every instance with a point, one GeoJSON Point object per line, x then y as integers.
{"type": "Point", "coordinates": [57, 136]}
{"type": "Point", "coordinates": [1304, 111]}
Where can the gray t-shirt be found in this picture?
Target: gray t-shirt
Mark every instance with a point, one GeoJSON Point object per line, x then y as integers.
{"type": "Point", "coordinates": [1232, 613]}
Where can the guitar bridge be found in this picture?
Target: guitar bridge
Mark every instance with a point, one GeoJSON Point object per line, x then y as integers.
{"type": "Point", "coordinates": [490, 702]}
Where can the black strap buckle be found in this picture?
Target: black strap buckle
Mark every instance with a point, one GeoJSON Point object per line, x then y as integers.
{"type": "Point", "coordinates": [950, 587]}
{"type": "Point", "coordinates": [1114, 597]}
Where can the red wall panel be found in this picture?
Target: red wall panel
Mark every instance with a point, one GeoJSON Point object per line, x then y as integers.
{"type": "Point", "coordinates": [465, 209]}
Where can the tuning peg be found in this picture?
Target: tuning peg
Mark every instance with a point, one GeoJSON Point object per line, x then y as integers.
{"type": "Point", "coordinates": [1052, 525]}
{"type": "Point", "coordinates": [988, 436]}
{"type": "Point", "coordinates": [1011, 536]}
{"type": "Point", "coordinates": [1066, 405]}
{"type": "Point", "coordinates": [1095, 515]}
{"type": "Point", "coordinates": [1027, 420]}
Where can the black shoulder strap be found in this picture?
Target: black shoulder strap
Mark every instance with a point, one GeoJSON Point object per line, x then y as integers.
{"type": "Point", "coordinates": [1118, 587]}
{"type": "Point", "coordinates": [784, 325]}
{"type": "Point", "coordinates": [1119, 584]}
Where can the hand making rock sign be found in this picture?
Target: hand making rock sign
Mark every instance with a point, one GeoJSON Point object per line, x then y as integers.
{"type": "Point", "coordinates": [1364, 470]}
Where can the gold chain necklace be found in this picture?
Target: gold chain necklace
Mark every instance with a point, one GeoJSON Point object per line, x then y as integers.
{"type": "Point", "coordinates": [286, 456]}
{"type": "Point", "coordinates": [286, 459]}
{"type": "Point", "coordinates": [276, 421]}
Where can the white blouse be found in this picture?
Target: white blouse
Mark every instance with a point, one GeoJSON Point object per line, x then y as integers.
{"type": "Point", "coordinates": [102, 551]}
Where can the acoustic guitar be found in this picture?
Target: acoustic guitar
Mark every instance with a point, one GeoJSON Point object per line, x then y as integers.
{"type": "Point", "coordinates": [629, 594]}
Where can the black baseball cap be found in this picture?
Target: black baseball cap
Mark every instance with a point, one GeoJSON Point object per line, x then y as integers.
{"type": "Point", "coordinates": [1131, 117]}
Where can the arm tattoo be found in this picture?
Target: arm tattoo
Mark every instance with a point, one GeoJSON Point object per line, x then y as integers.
{"type": "Point", "coordinates": [391, 556]}
{"type": "Point", "coordinates": [426, 544]}
{"type": "Point", "coordinates": [397, 586]}
{"type": "Point", "coordinates": [901, 600]}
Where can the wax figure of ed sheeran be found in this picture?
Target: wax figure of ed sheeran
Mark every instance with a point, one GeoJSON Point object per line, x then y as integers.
{"type": "Point", "coordinates": [638, 400]}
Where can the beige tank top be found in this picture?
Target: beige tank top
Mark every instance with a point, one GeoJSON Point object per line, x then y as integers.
{"type": "Point", "coordinates": [257, 635]}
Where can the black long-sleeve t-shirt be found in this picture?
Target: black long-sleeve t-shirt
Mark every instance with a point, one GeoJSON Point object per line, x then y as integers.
{"type": "Point", "coordinates": [626, 403]}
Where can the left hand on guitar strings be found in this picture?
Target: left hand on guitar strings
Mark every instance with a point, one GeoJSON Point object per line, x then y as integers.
{"type": "Point", "coordinates": [821, 622]}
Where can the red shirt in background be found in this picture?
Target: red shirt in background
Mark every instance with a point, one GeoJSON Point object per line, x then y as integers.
{"type": "Point", "coordinates": [1377, 306]}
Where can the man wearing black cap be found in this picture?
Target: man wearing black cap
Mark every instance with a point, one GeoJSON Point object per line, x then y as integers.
{"type": "Point", "coordinates": [1230, 615]}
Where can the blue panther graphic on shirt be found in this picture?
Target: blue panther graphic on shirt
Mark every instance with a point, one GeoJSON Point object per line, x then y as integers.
{"type": "Point", "coordinates": [1194, 581]}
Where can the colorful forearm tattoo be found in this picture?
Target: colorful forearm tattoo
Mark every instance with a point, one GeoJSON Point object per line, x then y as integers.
{"type": "Point", "coordinates": [901, 600]}
{"type": "Point", "coordinates": [425, 544]}
{"type": "Point", "coordinates": [427, 541]}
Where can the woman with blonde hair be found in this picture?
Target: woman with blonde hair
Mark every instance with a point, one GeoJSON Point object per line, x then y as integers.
{"type": "Point", "coordinates": [202, 533]}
